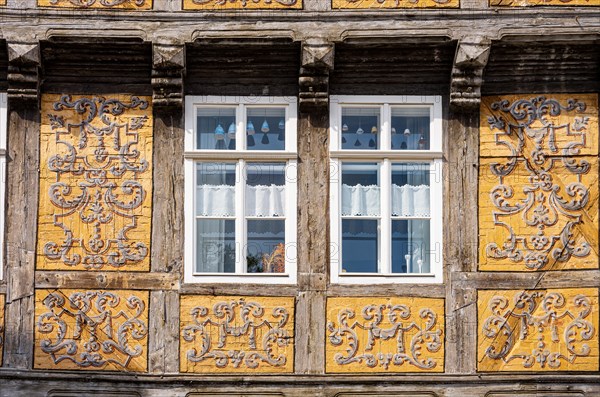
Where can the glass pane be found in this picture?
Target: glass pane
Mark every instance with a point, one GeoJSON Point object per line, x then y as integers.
{"type": "Point", "coordinates": [410, 129]}
{"type": "Point", "coordinates": [410, 190]}
{"type": "Point", "coordinates": [360, 189]}
{"type": "Point", "coordinates": [215, 246]}
{"type": "Point", "coordinates": [216, 128]}
{"type": "Point", "coordinates": [265, 189]}
{"type": "Point", "coordinates": [360, 246]}
{"type": "Point", "coordinates": [265, 129]}
{"type": "Point", "coordinates": [360, 128]}
{"type": "Point", "coordinates": [215, 189]}
{"type": "Point", "coordinates": [410, 246]}
{"type": "Point", "coordinates": [266, 246]}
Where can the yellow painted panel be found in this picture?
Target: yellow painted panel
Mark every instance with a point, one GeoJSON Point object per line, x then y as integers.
{"type": "Point", "coordinates": [91, 330]}
{"type": "Point", "coordinates": [236, 334]}
{"type": "Point", "coordinates": [2, 3]}
{"type": "Point", "coordinates": [242, 4]}
{"type": "Point", "coordinates": [364, 4]}
{"type": "Point", "coordinates": [538, 217]}
{"type": "Point", "coordinates": [95, 203]}
{"type": "Point", "coordinates": [528, 3]}
{"type": "Point", "coordinates": [2, 301]}
{"type": "Point", "coordinates": [538, 330]}
{"type": "Point", "coordinates": [374, 334]}
{"type": "Point", "coordinates": [105, 4]}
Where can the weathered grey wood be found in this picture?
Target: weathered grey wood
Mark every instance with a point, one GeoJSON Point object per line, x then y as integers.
{"type": "Point", "coordinates": [505, 280]}
{"type": "Point", "coordinates": [239, 289]}
{"type": "Point", "coordinates": [107, 280]}
{"type": "Point", "coordinates": [413, 290]}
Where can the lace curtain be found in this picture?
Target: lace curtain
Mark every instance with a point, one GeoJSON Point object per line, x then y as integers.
{"type": "Point", "coordinates": [407, 200]}
{"type": "Point", "coordinates": [219, 200]}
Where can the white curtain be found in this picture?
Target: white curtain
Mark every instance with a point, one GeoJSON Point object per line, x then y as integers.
{"type": "Point", "coordinates": [408, 200]}
{"type": "Point", "coordinates": [219, 200]}
{"type": "Point", "coordinates": [262, 200]}
{"type": "Point", "coordinates": [360, 200]}
{"type": "Point", "coordinates": [215, 200]}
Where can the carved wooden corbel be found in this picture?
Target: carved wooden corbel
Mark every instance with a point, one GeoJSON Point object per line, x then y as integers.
{"type": "Point", "coordinates": [24, 61]}
{"type": "Point", "coordinates": [317, 62]}
{"type": "Point", "coordinates": [467, 73]}
{"type": "Point", "coordinates": [168, 66]}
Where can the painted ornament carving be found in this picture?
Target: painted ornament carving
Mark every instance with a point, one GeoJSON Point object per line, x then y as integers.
{"type": "Point", "coordinates": [538, 330]}
{"type": "Point", "coordinates": [91, 330]}
{"type": "Point", "coordinates": [122, 4]}
{"type": "Point", "coordinates": [237, 334]}
{"type": "Point", "coordinates": [385, 335]}
{"type": "Point", "coordinates": [96, 183]}
{"type": "Point", "coordinates": [538, 190]}
{"type": "Point", "coordinates": [241, 4]}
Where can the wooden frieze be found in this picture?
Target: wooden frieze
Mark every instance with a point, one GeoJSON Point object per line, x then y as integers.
{"type": "Point", "coordinates": [369, 335]}
{"type": "Point", "coordinates": [374, 4]}
{"type": "Point", "coordinates": [538, 330]}
{"type": "Point", "coordinates": [236, 334]}
{"type": "Point", "coordinates": [531, 3]}
{"type": "Point", "coordinates": [102, 4]}
{"type": "Point", "coordinates": [91, 330]}
{"type": "Point", "coordinates": [538, 183]}
{"type": "Point", "coordinates": [95, 183]}
{"type": "Point", "coordinates": [242, 4]}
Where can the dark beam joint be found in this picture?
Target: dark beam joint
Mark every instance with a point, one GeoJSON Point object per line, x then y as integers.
{"type": "Point", "coordinates": [317, 62]}
{"type": "Point", "coordinates": [465, 88]}
{"type": "Point", "coordinates": [24, 61]}
{"type": "Point", "coordinates": [168, 66]}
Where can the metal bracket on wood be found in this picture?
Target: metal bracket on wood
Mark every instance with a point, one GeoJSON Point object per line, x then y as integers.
{"type": "Point", "coordinates": [24, 62]}
{"type": "Point", "coordinates": [168, 66]}
{"type": "Point", "coordinates": [471, 58]}
{"type": "Point", "coordinates": [317, 62]}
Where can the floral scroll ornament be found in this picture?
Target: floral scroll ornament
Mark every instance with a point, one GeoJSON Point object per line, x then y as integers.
{"type": "Point", "coordinates": [233, 320]}
{"type": "Point", "coordinates": [83, 329]}
{"type": "Point", "coordinates": [546, 201]}
{"type": "Point", "coordinates": [577, 329]}
{"type": "Point", "coordinates": [106, 165]}
{"type": "Point", "coordinates": [427, 337]}
{"type": "Point", "coordinates": [244, 3]}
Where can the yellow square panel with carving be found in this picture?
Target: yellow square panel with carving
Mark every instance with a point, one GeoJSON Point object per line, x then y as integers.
{"type": "Point", "coordinates": [242, 4]}
{"type": "Point", "coordinates": [384, 335]}
{"type": "Point", "coordinates": [2, 302]}
{"type": "Point", "coordinates": [538, 183]}
{"type": "Point", "coordinates": [91, 330]}
{"type": "Point", "coordinates": [103, 4]}
{"type": "Point", "coordinates": [236, 334]}
{"type": "Point", "coordinates": [374, 4]}
{"type": "Point", "coordinates": [538, 330]}
{"type": "Point", "coordinates": [533, 3]}
{"type": "Point", "coordinates": [95, 202]}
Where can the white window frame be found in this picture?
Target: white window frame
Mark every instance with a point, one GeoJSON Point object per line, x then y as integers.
{"type": "Point", "coordinates": [240, 157]}
{"type": "Point", "coordinates": [3, 128]}
{"type": "Point", "coordinates": [385, 156]}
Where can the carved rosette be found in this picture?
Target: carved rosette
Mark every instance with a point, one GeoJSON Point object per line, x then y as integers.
{"type": "Point", "coordinates": [106, 4]}
{"type": "Point", "coordinates": [226, 334]}
{"type": "Point", "coordinates": [366, 4]}
{"type": "Point", "coordinates": [2, 301]}
{"type": "Point", "coordinates": [532, 3]}
{"type": "Point", "coordinates": [538, 330]}
{"type": "Point", "coordinates": [538, 187]}
{"type": "Point", "coordinates": [241, 4]}
{"type": "Point", "coordinates": [385, 335]}
{"type": "Point", "coordinates": [95, 183]}
{"type": "Point", "coordinates": [91, 330]}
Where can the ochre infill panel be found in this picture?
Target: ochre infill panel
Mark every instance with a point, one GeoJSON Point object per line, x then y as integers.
{"type": "Point", "coordinates": [538, 330]}
{"type": "Point", "coordinates": [367, 4]}
{"type": "Point", "coordinates": [91, 330]}
{"type": "Point", "coordinates": [236, 334]}
{"type": "Point", "coordinates": [106, 4]}
{"type": "Point", "coordinates": [530, 3]}
{"type": "Point", "coordinates": [242, 4]}
{"type": "Point", "coordinates": [2, 302]}
{"type": "Point", "coordinates": [374, 334]}
{"type": "Point", "coordinates": [538, 183]}
{"type": "Point", "coordinates": [95, 202]}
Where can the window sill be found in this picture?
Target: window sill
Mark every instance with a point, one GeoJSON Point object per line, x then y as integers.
{"type": "Point", "coordinates": [371, 278]}
{"type": "Point", "coordinates": [229, 278]}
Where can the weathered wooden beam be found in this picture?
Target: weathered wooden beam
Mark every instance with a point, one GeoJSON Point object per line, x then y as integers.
{"type": "Point", "coordinates": [24, 61]}
{"type": "Point", "coordinates": [168, 64]}
{"type": "Point", "coordinates": [317, 62]}
{"type": "Point", "coordinates": [471, 57]}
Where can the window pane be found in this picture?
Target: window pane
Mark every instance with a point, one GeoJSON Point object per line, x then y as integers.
{"type": "Point", "coordinates": [265, 129]}
{"type": "Point", "coordinates": [410, 246]}
{"type": "Point", "coordinates": [216, 128]}
{"type": "Point", "coordinates": [410, 190]}
{"type": "Point", "coordinates": [360, 245]}
{"type": "Point", "coordinates": [265, 189]}
{"type": "Point", "coordinates": [360, 128]}
{"type": "Point", "coordinates": [266, 246]}
{"type": "Point", "coordinates": [360, 189]}
{"type": "Point", "coordinates": [215, 246]}
{"type": "Point", "coordinates": [410, 129]}
{"type": "Point", "coordinates": [215, 189]}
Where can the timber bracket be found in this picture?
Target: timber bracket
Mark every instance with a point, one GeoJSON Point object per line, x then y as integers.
{"type": "Point", "coordinates": [24, 65]}
{"type": "Point", "coordinates": [317, 62]}
{"type": "Point", "coordinates": [168, 67]}
{"type": "Point", "coordinates": [467, 73]}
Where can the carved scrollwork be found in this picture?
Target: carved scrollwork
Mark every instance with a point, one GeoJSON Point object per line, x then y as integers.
{"type": "Point", "coordinates": [91, 330]}
{"type": "Point", "coordinates": [552, 330]}
{"type": "Point", "coordinates": [145, 4]}
{"type": "Point", "coordinates": [98, 181]}
{"type": "Point", "coordinates": [237, 335]}
{"type": "Point", "coordinates": [380, 337]}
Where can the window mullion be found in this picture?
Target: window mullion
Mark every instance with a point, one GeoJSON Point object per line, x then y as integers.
{"type": "Point", "coordinates": [386, 225]}
{"type": "Point", "coordinates": [240, 220]}
{"type": "Point", "coordinates": [386, 127]}
{"type": "Point", "coordinates": [240, 115]}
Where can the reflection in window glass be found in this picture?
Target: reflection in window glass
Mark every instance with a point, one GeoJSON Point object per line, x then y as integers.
{"type": "Point", "coordinates": [266, 246]}
{"type": "Point", "coordinates": [265, 129]}
{"type": "Point", "coordinates": [215, 246]}
{"type": "Point", "coordinates": [360, 128]}
{"type": "Point", "coordinates": [359, 246]}
{"type": "Point", "coordinates": [216, 128]}
{"type": "Point", "coordinates": [410, 129]}
{"type": "Point", "coordinates": [410, 246]}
